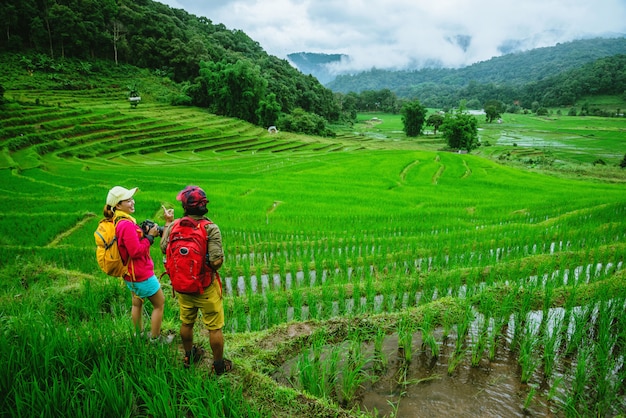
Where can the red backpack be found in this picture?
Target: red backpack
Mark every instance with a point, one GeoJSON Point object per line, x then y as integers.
{"type": "Point", "coordinates": [186, 256]}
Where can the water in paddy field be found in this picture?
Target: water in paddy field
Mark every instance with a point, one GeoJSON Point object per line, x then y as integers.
{"type": "Point", "coordinates": [491, 390]}
{"type": "Point", "coordinates": [424, 388]}
{"type": "Point", "coordinates": [530, 141]}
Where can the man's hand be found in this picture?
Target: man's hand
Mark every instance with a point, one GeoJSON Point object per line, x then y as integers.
{"type": "Point", "coordinates": [216, 264]}
{"type": "Point", "coordinates": [168, 214]}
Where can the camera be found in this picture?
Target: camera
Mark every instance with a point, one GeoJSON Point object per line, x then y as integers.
{"type": "Point", "coordinates": [147, 225]}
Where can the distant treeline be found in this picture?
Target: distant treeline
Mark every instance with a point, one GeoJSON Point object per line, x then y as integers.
{"type": "Point", "coordinates": [606, 76]}
{"type": "Point", "coordinates": [553, 76]}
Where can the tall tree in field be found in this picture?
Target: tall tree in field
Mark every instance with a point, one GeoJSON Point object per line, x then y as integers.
{"type": "Point", "coordinates": [413, 117]}
{"type": "Point", "coordinates": [493, 110]}
{"type": "Point", "coordinates": [460, 130]}
{"type": "Point", "coordinates": [435, 120]}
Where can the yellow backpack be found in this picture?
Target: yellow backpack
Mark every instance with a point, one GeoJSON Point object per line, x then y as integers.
{"type": "Point", "coordinates": [107, 254]}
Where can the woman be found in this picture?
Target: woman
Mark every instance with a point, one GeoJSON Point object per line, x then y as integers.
{"type": "Point", "coordinates": [134, 247]}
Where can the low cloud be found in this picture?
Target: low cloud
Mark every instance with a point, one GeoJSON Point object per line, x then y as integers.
{"type": "Point", "coordinates": [400, 34]}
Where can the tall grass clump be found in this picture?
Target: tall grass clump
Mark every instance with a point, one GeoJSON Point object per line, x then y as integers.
{"type": "Point", "coordinates": [68, 348]}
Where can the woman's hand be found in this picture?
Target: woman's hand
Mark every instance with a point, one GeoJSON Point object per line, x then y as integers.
{"type": "Point", "coordinates": [154, 231]}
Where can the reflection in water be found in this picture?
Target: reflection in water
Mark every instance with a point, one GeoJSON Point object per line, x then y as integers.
{"type": "Point", "coordinates": [491, 390]}
{"type": "Point", "coordinates": [552, 350]}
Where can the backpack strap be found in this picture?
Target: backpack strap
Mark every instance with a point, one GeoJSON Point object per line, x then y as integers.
{"type": "Point", "coordinates": [214, 274]}
{"type": "Point", "coordinates": [128, 262]}
{"type": "Point", "coordinates": [202, 223]}
{"type": "Point", "coordinates": [107, 245]}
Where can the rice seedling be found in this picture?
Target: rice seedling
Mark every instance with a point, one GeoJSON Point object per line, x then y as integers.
{"type": "Point", "coordinates": [551, 340]}
{"type": "Point", "coordinates": [395, 406]}
{"type": "Point", "coordinates": [462, 330]}
{"type": "Point", "coordinates": [529, 397]}
{"type": "Point", "coordinates": [380, 358]}
{"type": "Point", "coordinates": [316, 369]}
{"type": "Point", "coordinates": [353, 373]}
{"type": "Point", "coordinates": [428, 338]}
{"type": "Point", "coordinates": [456, 358]}
{"type": "Point", "coordinates": [528, 360]}
{"type": "Point", "coordinates": [406, 328]}
{"type": "Point", "coordinates": [578, 328]}
{"type": "Point", "coordinates": [605, 363]}
{"type": "Point", "coordinates": [479, 343]}
{"type": "Point", "coordinates": [576, 400]}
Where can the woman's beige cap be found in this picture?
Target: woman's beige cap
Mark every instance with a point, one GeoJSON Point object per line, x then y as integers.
{"type": "Point", "coordinates": [119, 193]}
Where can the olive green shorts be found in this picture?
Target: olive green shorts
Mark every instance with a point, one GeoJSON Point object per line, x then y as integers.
{"type": "Point", "coordinates": [210, 303]}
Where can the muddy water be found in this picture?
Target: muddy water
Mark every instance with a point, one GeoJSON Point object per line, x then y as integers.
{"type": "Point", "coordinates": [491, 390]}
{"type": "Point", "coordinates": [424, 388]}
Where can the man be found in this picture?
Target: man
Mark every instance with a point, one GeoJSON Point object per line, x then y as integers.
{"type": "Point", "coordinates": [207, 297]}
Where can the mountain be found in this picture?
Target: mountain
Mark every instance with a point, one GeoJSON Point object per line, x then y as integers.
{"type": "Point", "coordinates": [316, 64]}
{"type": "Point", "coordinates": [513, 69]}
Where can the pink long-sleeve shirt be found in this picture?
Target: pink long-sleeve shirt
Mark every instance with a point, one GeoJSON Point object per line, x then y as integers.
{"type": "Point", "coordinates": [133, 244]}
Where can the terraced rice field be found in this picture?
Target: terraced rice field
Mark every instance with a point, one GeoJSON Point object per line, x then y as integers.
{"type": "Point", "coordinates": [363, 277]}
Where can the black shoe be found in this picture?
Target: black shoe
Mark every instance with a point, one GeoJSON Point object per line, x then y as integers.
{"type": "Point", "coordinates": [222, 366]}
{"type": "Point", "coordinates": [194, 356]}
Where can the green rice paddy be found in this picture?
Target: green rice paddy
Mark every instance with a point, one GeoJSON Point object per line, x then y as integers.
{"type": "Point", "coordinates": [331, 244]}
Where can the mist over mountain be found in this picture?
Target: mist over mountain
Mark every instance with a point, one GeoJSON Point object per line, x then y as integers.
{"type": "Point", "coordinates": [316, 64]}
{"type": "Point", "coordinates": [509, 69]}
{"type": "Point", "coordinates": [333, 70]}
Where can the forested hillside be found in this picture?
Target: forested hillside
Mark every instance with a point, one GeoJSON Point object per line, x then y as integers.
{"type": "Point", "coordinates": [501, 78]}
{"type": "Point", "coordinates": [218, 68]}
{"type": "Point", "coordinates": [74, 42]}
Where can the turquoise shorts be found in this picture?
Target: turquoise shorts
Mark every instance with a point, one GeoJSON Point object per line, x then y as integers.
{"type": "Point", "coordinates": [146, 288]}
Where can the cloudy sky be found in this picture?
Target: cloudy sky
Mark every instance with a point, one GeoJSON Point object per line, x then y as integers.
{"type": "Point", "coordinates": [410, 33]}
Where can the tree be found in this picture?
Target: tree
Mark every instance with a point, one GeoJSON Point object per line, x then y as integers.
{"type": "Point", "coordinates": [64, 22]}
{"type": "Point", "coordinates": [491, 113]}
{"type": "Point", "coordinates": [413, 117]}
{"type": "Point", "coordinates": [301, 121]}
{"type": "Point", "coordinates": [622, 164]}
{"type": "Point", "coordinates": [268, 111]}
{"type": "Point", "coordinates": [493, 110]}
{"type": "Point", "coordinates": [348, 104]}
{"type": "Point", "coordinates": [435, 120]}
{"type": "Point", "coordinates": [9, 18]}
{"type": "Point", "coordinates": [460, 130]}
{"type": "Point", "coordinates": [118, 32]}
{"type": "Point", "coordinates": [234, 89]}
